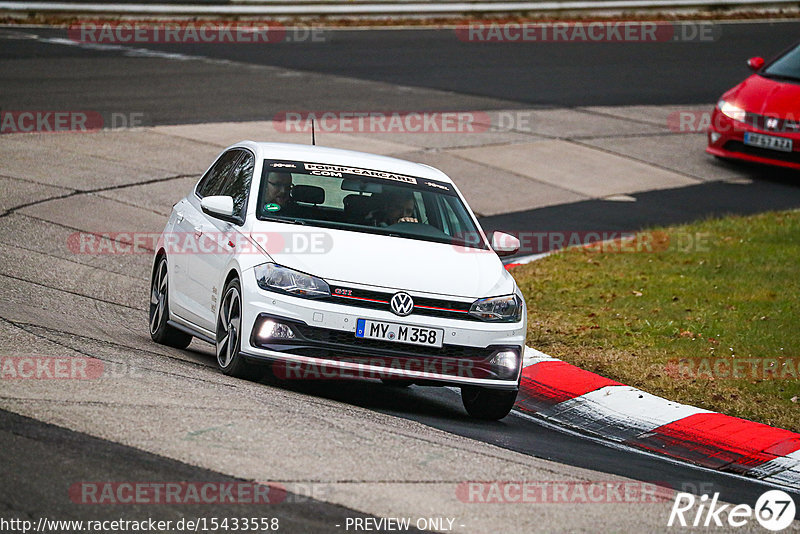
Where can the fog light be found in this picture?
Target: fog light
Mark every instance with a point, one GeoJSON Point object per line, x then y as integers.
{"type": "Point", "coordinates": [270, 329]}
{"type": "Point", "coordinates": [505, 363]}
{"type": "Point", "coordinates": [715, 137]}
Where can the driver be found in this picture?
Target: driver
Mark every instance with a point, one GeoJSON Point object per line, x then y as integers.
{"type": "Point", "coordinates": [396, 207]}
{"type": "Point", "coordinates": [278, 197]}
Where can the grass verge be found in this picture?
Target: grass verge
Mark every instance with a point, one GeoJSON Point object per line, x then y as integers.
{"type": "Point", "coordinates": [704, 314]}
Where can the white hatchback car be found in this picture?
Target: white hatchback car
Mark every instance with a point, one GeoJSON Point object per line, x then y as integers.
{"type": "Point", "coordinates": [326, 263]}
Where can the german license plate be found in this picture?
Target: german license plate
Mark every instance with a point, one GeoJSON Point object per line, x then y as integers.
{"type": "Point", "coordinates": [399, 333]}
{"type": "Point", "coordinates": [768, 141]}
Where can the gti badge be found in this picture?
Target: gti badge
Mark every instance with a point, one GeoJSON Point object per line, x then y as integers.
{"type": "Point", "coordinates": [772, 123]}
{"type": "Point", "coordinates": [401, 304]}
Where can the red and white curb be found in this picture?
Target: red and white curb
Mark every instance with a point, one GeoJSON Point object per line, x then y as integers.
{"type": "Point", "coordinates": [522, 260]}
{"type": "Point", "coordinates": [571, 397]}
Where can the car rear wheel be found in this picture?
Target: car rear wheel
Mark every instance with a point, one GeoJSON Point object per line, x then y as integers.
{"type": "Point", "coordinates": [160, 331]}
{"type": "Point", "coordinates": [488, 404]}
{"type": "Point", "coordinates": [229, 328]}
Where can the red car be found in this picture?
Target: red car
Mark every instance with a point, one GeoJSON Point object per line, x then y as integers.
{"type": "Point", "coordinates": [759, 119]}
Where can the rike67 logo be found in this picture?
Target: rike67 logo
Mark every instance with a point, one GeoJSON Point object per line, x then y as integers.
{"type": "Point", "coordinates": [774, 510]}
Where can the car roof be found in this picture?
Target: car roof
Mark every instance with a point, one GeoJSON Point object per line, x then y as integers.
{"type": "Point", "coordinates": [337, 156]}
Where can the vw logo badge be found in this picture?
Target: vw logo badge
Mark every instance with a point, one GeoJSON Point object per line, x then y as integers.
{"type": "Point", "coordinates": [402, 304]}
{"type": "Point", "coordinates": [772, 123]}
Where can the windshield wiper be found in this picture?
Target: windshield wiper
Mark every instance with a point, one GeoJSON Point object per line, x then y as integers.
{"type": "Point", "coordinates": [282, 220]}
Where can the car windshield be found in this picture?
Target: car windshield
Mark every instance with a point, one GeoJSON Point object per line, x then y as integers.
{"type": "Point", "coordinates": [364, 200]}
{"type": "Point", "coordinates": [786, 67]}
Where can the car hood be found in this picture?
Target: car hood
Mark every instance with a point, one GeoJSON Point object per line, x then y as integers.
{"type": "Point", "coordinates": [388, 262]}
{"type": "Point", "coordinates": [766, 97]}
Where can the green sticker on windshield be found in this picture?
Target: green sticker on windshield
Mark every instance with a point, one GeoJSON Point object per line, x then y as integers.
{"type": "Point", "coordinates": [272, 207]}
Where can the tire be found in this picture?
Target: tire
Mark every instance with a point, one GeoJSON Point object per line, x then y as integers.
{"type": "Point", "coordinates": [160, 331]}
{"type": "Point", "coordinates": [487, 404]}
{"type": "Point", "coordinates": [229, 342]}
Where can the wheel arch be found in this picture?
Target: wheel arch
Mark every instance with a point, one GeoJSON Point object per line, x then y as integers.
{"type": "Point", "coordinates": [232, 273]}
{"type": "Point", "coordinates": [162, 252]}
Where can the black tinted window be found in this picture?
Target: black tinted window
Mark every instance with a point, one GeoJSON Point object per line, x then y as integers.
{"type": "Point", "coordinates": [237, 184]}
{"type": "Point", "coordinates": [214, 181]}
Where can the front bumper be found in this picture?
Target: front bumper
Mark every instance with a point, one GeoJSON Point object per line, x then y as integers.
{"type": "Point", "coordinates": [726, 140]}
{"type": "Point", "coordinates": [324, 345]}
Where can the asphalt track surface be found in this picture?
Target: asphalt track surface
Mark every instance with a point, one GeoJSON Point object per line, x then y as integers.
{"type": "Point", "coordinates": [49, 459]}
{"type": "Point", "coordinates": [475, 75]}
{"type": "Point", "coordinates": [42, 75]}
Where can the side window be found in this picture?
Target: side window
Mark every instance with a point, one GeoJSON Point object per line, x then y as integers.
{"type": "Point", "coordinates": [451, 220]}
{"type": "Point", "coordinates": [214, 180]}
{"type": "Point", "coordinates": [237, 184]}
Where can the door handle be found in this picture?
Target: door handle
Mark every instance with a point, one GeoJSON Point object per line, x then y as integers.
{"type": "Point", "coordinates": [179, 216]}
{"type": "Point", "coordinates": [198, 232]}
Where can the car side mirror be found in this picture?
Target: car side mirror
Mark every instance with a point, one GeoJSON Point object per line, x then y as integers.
{"type": "Point", "coordinates": [504, 244]}
{"type": "Point", "coordinates": [220, 207]}
{"type": "Point", "coordinates": [755, 63]}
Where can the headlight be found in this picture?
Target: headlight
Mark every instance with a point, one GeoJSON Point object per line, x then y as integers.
{"type": "Point", "coordinates": [731, 111]}
{"type": "Point", "coordinates": [276, 278]}
{"type": "Point", "coordinates": [506, 309]}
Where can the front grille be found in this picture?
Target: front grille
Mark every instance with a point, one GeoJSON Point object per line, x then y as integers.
{"type": "Point", "coordinates": [738, 146]}
{"type": "Point", "coordinates": [772, 124]}
{"type": "Point", "coordinates": [379, 300]}
{"type": "Point", "coordinates": [375, 346]}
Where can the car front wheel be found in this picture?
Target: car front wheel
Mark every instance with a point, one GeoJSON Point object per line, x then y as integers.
{"type": "Point", "coordinates": [229, 329]}
{"type": "Point", "coordinates": [488, 404]}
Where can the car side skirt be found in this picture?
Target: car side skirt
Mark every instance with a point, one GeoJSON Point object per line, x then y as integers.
{"type": "Point", "coordinates": [190, 328]}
